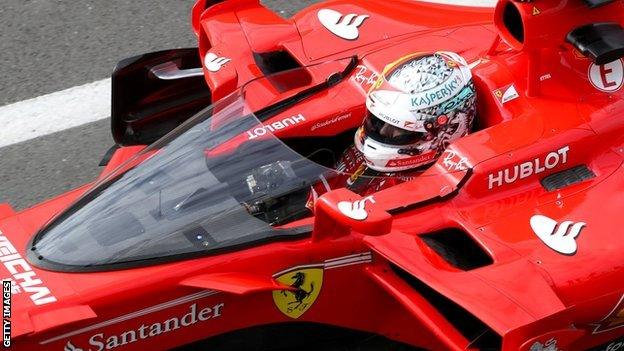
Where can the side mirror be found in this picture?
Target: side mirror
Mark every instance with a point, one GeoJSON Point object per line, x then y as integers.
{"type": "Point", "coordinates": [340, 211]}
{"type": "Point", "coordinates": [156, 92]}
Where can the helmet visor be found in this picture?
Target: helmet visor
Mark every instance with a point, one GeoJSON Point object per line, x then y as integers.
{"type": "Point", "coordinates": [386, 133]}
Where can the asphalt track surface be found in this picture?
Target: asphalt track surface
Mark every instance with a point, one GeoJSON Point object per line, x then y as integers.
{"type": "Point", "coordinates": [51, 45]}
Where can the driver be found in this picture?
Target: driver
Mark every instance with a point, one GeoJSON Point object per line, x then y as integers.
{"type": "Point", "coordinates": [420, 104]}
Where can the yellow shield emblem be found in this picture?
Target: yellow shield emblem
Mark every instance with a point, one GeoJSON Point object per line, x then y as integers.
{"type": "Point", "coordinates": [307, 281]}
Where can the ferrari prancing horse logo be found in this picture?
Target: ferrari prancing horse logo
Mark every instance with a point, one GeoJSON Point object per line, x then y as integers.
{"type": "Point", "coordinates": [307, 282]}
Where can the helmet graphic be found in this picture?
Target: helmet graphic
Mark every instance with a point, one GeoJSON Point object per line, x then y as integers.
{"type": "Point", "coordinates": [419, 105]}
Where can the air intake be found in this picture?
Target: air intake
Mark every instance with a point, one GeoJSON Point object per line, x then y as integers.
{"type": "Point", "coordinates": [290, 75]}
{"type": "Point", "coordinates": [457, 248]}
{"type": "Point", "coordinates": [275, 62]}
{"type": "Point", "coordinates": [513, 22]}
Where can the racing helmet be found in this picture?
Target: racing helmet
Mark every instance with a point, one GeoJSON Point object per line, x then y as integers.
{"type": "Point", "coordinates": [420, 104]}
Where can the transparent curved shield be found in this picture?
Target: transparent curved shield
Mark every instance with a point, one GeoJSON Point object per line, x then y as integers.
{"type": "Point", "coordinates": [219, 181]}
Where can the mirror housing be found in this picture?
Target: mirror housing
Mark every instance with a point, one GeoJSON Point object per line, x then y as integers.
{"type": "Point", "coordinates": [338, 212]}
{"type": "Point", "coordinates": [154, 93]}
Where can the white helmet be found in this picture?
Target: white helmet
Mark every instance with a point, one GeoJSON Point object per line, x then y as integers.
{"type": "Point", "coordinates": [419, 105]}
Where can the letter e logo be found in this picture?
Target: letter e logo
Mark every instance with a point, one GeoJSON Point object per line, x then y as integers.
{"type": "Point", "coordinates": [608, 77]}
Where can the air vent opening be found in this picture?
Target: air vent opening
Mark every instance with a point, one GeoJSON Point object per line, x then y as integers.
{"type": "Point", "coordinates": [290, 75]}
{"type": "Point", "coordinates": [458, 248]}
{"type": "Point", "coordinates": [513, 22]}
{"type": "Point", "coordinates": [567, 178]}
{"type": "Point", "coordinates": [275, 62]}
{"type": "Point", "coordinates": [478, 334]}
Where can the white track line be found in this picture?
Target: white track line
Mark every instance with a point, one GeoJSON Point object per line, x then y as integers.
{"type": "Point", "coordinates": [54, 112]}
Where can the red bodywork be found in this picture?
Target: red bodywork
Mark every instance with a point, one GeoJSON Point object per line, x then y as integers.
{"type": "Point", "coordinates": [529, 295]}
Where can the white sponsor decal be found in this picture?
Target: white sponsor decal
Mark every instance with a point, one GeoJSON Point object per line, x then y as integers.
{"type": "Point", "coordinates": [387, 118]}
{"type": "Point", "coordinates": [550, 345]}
{"type": "Point", "coordinates": [355, 210]}
{"type": "Point", "coordinates": [454, 162]}
{"type": "Point", "coordinates": [279, 125]}
{"type": "Point", "coordinates": [214, 63]}
{"type": "Point", "coordinates": [102, 341]}
{"type": "Point", "coordinates": [440, 94]}
{"type": "Point", "coordinates": [365, 77]}
{"type": "Point", "coordinates": [608, 77]}
{"type": "Point", "coordinates": [329, 122]}
{"type": "Point", "coordinates": [506, 94]}
{"type": "Point", "coordinates": [615, 346]}
{"type": "Point", "coordinates": [136, 314]}
{"type": "Point", "coordinates": [559, 237]}
{"type": "Point", "coordinates": [529, 168]}
{"type": "Point", "coordinates": [24, 279]}
{"type": "Point", "coordinates": [346, 27]}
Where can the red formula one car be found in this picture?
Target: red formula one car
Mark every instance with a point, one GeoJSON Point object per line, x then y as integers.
{"type": "Point", "coordinates": [203, 240]}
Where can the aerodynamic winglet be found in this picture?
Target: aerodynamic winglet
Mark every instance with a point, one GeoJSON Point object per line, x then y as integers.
{"type": "Point", "coordinates": [235, 283]}
{"type": "Point", "coordinates": [54, 318]}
